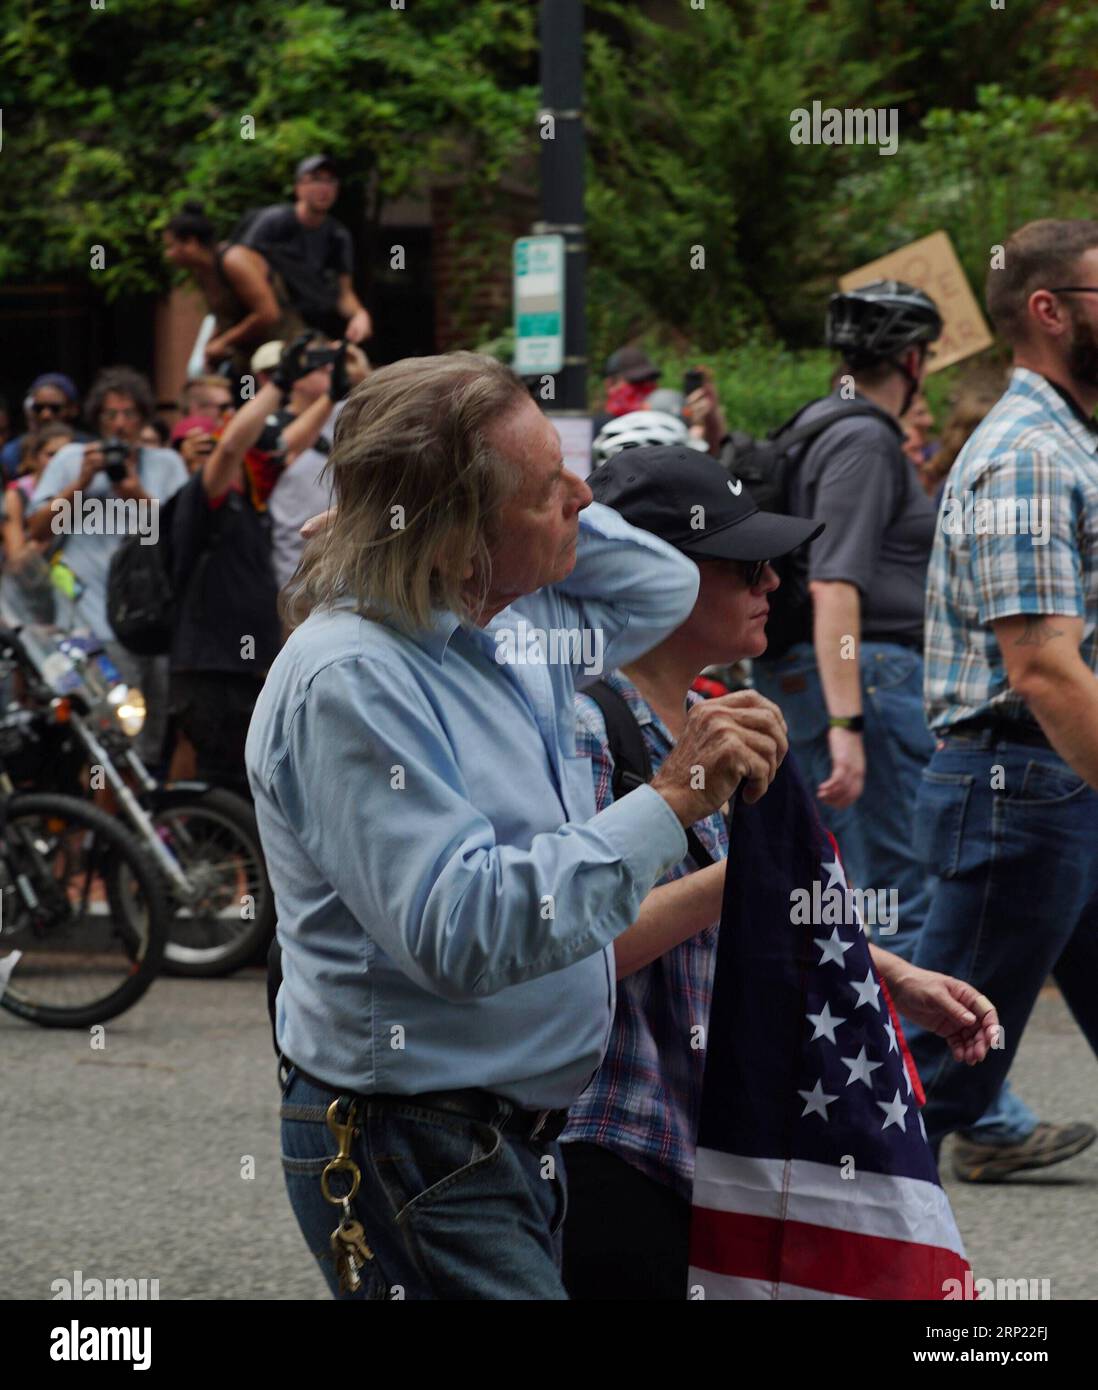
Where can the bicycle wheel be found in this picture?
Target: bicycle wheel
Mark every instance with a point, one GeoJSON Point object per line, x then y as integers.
{"type": "Point", "coordinates": [83, 922]}
{"type": "Point", "coordinates": [229, 916]}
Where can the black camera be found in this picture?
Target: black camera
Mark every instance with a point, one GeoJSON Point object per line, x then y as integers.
{"type": "Point", "coordinates": [115, 452]}
{"type": "Point", "coordinates": [320, 357]}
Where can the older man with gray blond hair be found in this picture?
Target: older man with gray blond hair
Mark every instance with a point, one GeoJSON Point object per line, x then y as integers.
{"type": "Point", "coordinates": [448, 898]}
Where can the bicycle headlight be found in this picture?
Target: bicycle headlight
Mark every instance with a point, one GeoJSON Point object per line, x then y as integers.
{"type": "Point", "coordinates": [128, 704]}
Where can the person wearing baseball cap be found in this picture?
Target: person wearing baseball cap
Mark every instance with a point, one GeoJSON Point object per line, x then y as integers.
{"type": "Point", "coordinates": [312, 251]}
{"type": "Point", "coordinates": [631, 377]}
{"type": "Point", "coordinates": [631, 1136]}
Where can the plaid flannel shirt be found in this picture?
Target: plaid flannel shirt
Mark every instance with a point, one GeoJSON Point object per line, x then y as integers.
{"type": "Point", "coordinates": [1032, 448]}
{"type": "Point", "coordinates": [643, 1103]}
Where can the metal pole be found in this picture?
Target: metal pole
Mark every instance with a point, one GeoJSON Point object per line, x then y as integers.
{"type": "Point", "coordinates": [562, 171]}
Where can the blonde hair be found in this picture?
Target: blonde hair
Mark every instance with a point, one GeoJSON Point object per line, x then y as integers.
{"type": "Point", "coordinates": [416, 488]}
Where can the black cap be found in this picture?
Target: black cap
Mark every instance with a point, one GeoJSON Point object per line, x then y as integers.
{"type": "Point", "coordinates": [312, 164]}
{"type": "Point", "coordinates": [632, 364]}
{"type": "Point", "coordinates": [661, 488]}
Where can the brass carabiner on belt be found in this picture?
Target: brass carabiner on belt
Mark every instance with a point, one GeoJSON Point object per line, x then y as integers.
{"type": "Point", "coordinates": [343, 1162]}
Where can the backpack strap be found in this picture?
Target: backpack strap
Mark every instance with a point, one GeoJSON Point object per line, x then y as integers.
{"type": "Point", "coordinates": [790, 435]}
{"type": "Point", "coordinates": [632, 765]}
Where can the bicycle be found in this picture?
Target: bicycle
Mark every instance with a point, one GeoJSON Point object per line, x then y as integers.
{"type": "Point", "coordinates": [83, 922]}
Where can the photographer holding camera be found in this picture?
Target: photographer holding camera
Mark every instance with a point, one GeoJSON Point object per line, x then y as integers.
{"type": "Point", "coordinates": [227, 630]}
{"type": "Point", "coordinates": [70, 503]}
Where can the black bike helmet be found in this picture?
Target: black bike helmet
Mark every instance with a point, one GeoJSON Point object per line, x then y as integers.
{"type": "Point", "coordinates": [876, 322]}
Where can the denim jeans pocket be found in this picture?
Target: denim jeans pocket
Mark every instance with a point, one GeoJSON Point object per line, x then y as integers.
{"type": "Point", "coordinates": [1043, 784]}
{"type": "Point", "coordinates": [307, 1148]}
{"type": "Point", "coordinates": [940, 820]}
{"type": "Point", "coordinates": [421, 1156]}
{"type": "Point", "coordinates": [884, 670]}
{"type": "Point", "coordinates": [562, 1189]}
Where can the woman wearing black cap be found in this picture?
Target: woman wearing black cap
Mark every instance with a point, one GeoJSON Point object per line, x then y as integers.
{"type": "Point", "coordinates": [631, 1136]}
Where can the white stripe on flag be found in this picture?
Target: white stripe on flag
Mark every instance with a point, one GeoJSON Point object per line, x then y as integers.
{"type": "Point", "coordinates": [725, 1286]}
{"type": "Point", "coordinates": [872, 1204]}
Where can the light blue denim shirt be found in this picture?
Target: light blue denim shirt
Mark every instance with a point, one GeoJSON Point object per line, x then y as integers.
{"type": "Point", "coordinates": [446, 893]}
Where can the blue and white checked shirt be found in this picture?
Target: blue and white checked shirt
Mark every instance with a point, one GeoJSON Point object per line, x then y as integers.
{"type": "Point", "coordinates": [446, 894]}
{"type": "Point", "coordinates": [1031, 448]}
{"type": "Point", "coordinates": [645, 1101]}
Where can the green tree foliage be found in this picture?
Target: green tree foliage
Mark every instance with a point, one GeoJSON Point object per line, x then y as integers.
{"type": "Point", "coordinates": [690, 141]}
{"type": "Point", "coordinates": [111, 115]}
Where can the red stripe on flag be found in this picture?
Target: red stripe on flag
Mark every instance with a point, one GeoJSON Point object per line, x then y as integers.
{"type": "Point", "coordinates": [823, 1258]}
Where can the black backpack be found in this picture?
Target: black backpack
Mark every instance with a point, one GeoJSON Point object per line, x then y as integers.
{"type": "Point", "coordinates": [140, 597]}
{"type": "Point", "coordinates": [768, 466]}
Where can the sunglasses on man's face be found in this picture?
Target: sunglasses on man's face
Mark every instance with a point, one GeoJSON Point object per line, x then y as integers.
{"type": "Point", "coordinates": [40, 407]}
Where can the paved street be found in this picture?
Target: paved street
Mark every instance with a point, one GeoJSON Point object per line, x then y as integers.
{"type": "Point", "coordinates": [126, 1162]}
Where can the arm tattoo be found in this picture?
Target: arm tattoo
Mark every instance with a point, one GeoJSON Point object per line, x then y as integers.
{"type": "Point", "coordinates": [1038, 631]}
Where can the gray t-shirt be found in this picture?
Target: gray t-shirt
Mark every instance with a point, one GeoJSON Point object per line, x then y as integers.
{"type": "Point", "coordinates": [301, 492]}
{"type": "Point", "coordinates": [88, 554]}
{"type": "Point", "coordinates": [879, 521]}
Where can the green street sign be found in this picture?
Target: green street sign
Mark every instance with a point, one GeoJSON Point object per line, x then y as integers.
{"type": "Point", "coordinates": [539, 304]}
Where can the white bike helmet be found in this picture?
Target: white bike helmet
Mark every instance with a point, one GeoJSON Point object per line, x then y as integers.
{"type": "Point", "coordinates": [636, 430]}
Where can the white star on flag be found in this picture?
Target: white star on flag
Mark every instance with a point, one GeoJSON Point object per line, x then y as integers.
{"type": "Point", "coordinates": [824, 1023]}
{"type": "Point", "coordinates": [867, 991]}
{"type": "Point", "coordinates": [890, 1029]}
{"type": "Point", "coordinates": [895, 1110]}
{"type": "Point", "coordinates": [923, 1128]}
{"type": "Point", "coordinates": [816, 1102]}
{"type": "Point", "coordinates": [833, 948]}
{"type": "Point", "coordinates": [834, 874]}
{"type": "Point", "coordinates": [861, 1068]}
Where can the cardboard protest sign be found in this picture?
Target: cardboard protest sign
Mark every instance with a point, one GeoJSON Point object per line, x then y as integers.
{"type": "Point", "coordinates": [931, 265]}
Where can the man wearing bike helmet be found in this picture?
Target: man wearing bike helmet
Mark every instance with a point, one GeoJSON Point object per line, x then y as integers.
{"type": "Point", "coordinates": [852, 691]}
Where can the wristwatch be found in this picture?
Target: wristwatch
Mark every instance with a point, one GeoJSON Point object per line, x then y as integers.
{"type": "Point", "coordinates": [854, 722]}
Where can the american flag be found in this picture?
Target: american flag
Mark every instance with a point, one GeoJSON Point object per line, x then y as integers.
{"type": "Point", "coordinates": [814, 1178]}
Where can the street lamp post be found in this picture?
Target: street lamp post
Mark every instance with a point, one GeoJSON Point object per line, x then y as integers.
{"type": "Point", "coordinates": [562, 180]}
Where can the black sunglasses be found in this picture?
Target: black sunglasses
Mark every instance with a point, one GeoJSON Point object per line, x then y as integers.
{"type": "Point", "coordinates": [750, 571]}
{"type": "Point", "coordinates": [1075, 289]}
{"type": "Point", "coordinates": [40, 407]}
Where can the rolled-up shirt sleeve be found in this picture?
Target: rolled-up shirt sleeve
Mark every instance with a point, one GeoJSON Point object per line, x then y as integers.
{"type": "Point", "coordinates": [626, 583]}
{"type": "Point", "coordinates": [370, 785]}
{"type": "Point", "coordinates": [1025, 550]}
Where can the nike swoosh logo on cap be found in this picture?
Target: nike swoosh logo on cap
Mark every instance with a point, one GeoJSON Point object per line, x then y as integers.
{"type": "Point", "coordinates": [735, 488]}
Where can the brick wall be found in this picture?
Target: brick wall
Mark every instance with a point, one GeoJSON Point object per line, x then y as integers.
{"type": "Point", "coordinates": [471, 261]}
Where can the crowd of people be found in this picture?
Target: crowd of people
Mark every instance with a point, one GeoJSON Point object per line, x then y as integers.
{"type": "Point", "coordinates": [228, 481]}
{"type": "Point", "coordinates": [449, 975]}
{"type": "Point", "coordinates": [421, 800]}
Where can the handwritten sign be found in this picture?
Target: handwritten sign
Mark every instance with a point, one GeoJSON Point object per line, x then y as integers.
{"type": "Point", "coordinates": [931, 265]}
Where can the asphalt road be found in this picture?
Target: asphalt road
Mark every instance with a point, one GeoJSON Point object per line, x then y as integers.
{"type": "Point", "coordinates": [127, 1162]}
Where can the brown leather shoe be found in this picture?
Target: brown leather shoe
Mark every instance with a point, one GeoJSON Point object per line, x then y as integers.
{"type": "Point", "coordinates": [1048, 1144]}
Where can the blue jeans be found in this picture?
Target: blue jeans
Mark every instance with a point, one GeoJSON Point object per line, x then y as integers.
{"type": "Point", "coordinates": [876, 835]}
{"type": "Point", "coordinates": [1016, 897]}
{"type": "Point", "coordinates": [451, 1208]}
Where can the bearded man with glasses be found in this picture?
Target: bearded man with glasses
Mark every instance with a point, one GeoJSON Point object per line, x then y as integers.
{"type": "Point", "coordinates": [1007, 816]}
